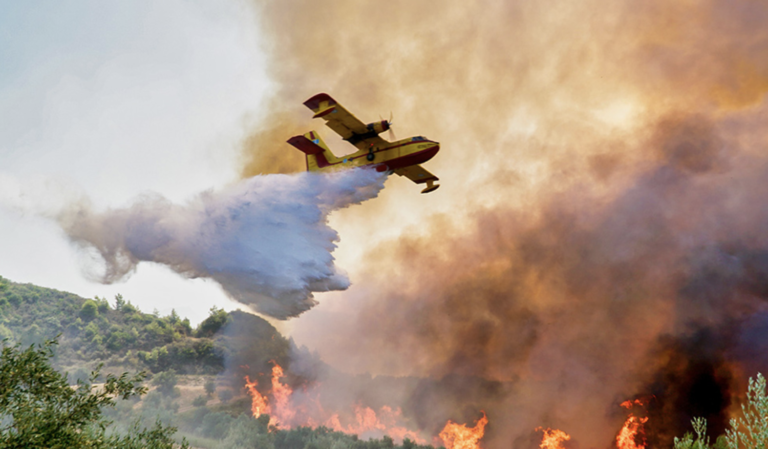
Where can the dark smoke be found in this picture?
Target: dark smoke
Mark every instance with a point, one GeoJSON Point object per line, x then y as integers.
{"type": "Point", "coordinates": [697, 372]}
{"type": "Point", "coordinates": [593, 298]}
{"type": "Point", "coordinates": [694, 380]}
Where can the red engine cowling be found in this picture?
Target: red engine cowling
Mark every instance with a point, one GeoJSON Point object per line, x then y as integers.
{"type": "Point", "coordinates": [378, 127]}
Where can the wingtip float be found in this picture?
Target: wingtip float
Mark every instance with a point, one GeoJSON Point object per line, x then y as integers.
{"type": "Point", "coordinates": [402, 156]}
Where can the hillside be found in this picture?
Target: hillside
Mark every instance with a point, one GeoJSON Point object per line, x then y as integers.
{"type": "Point", "coordinates": [122, 337]}
{"type": "Point", "coordinates": [195, 375]}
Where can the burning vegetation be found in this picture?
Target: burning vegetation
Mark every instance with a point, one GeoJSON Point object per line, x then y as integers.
{"type": "Point", "coordinates": [552, 438]}
{"type": "Point", "coordinates": [632, 434]}
{"type": "Point", "coordinates": [288, 411]}
{"type": "Point", "coordinates": [460, 436]}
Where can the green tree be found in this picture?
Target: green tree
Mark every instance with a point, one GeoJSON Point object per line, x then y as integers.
{"type": "Point", "coordinates": [89, 310]}
{"type": "Point", "coordinates": [39, 409]}
{"type": "Point", "coordinates": [91, 330]}
{"type": "Point", "coordinates": [119, 302]}
{"type": "Point", "coordinates": [216, 319]}
{"type": "Point", "coordinates": [103, 304]}
{"type": "Point", "coordinates": [751, 429]}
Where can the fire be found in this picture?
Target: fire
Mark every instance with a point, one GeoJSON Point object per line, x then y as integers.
{"type": "Point", "coordinates": [552, 438]}
{"type": "Point", "coordinates": [280, 411]}
{"type": "Point", "coordinates": [367, 420]}
{"type": "Point", "coordinates": [627, 438]}
{"type": "Point", "coordinates": [259, 404]}
{"type": "Point", "coordinates": [284, 413]}
{"type": "Point", "coordinates": [630, 403]}
{"type": "Point", "coordinates": [459, 436]}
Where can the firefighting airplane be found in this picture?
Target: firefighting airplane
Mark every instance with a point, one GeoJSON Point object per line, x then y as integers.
{"type": "Point", "coordinates": [403, 156]}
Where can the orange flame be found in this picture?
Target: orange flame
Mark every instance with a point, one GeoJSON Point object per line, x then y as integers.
{"type": "Point", "coordinates": [552, 438]}
{"type": "Point", "coordinates": [282, 412]}
{"type": "Point", "coordinates": [627, 438]}
{"type": "Point", "coordinates": [367, 420]}
{"type": "Point", "coordinates": [259, 404]}
{"type": "Point", "coordinates": [630, 403]}
{"type": "Point", "coordinates": [459, 436]}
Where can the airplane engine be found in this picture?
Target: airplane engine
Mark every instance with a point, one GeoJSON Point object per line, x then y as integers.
{"type": "Point", "coordinates": [378, 127]}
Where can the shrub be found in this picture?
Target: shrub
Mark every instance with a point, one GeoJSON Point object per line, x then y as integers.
{"type": "Point", "coordinates": [89, 310]}
{"type": "Point", "coordinates": [103, 305]}
{"type": "Point", "coordinates": [166, 383]}
{"type": "Point", "coordinates": [216, 425]}
{"type": "Point", "coordinates": [14, 299]}
{"type": "Point", "coordinates": [117, 340]}
{"type": "Point", "coordinates": [751, 430]}
{"type": "Point", "coordinates": [91, 330]}
{"type": "Point", "coordinates": [210, 387]}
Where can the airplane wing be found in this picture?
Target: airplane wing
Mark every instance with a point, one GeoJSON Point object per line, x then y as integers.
{"type": "Point", "coordinates": [343, 122]}
{"type": "Point", "coordinates": [419, 175]}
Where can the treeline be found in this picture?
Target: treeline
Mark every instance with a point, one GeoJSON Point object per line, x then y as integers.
{"type": "Point", "coordinates": [118, 334]}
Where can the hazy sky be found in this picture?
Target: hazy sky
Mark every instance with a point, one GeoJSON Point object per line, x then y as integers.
{"type": "Point", "coordinates": [111, 100]}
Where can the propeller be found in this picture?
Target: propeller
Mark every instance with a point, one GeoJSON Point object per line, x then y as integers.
{"type": "Point", "coordinates": [392, 137]}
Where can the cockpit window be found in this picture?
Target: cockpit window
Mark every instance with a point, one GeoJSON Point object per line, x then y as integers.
{"type": "Point", "coordinates": [417, 138]}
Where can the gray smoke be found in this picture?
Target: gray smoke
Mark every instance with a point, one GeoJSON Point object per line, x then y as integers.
{"type": "Point", "coordinates": [265, 240]}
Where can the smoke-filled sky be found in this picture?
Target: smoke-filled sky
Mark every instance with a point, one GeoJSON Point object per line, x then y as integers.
{"type": "Point", "coordinates": [603, 170]}
{"type": "Point", "coordinates": [602, 204]}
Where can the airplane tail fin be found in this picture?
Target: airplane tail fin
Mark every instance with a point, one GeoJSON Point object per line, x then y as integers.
{"type": "Point", "coordinates": [317, 152]}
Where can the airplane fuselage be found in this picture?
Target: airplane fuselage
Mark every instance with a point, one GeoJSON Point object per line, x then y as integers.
{"type": "Point", "coordinates": [393, 155]}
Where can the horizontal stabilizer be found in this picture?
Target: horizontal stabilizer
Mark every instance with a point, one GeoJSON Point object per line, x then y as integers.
{"type": "Point", "coordinates": [305, 145]}
{"type": "Point", "coordinates": [431, 186]}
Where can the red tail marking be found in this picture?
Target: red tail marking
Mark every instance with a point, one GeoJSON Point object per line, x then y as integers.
{"type": "Point", "coordinates": [305, 145]}
{"type": "Point", "coordinates": [314, 102]}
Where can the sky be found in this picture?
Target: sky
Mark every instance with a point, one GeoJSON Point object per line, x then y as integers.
{"type": "Point", "coordinates": [112, 101]}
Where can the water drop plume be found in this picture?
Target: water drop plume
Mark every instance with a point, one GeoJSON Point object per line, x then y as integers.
{"type": "Point", "coordinates": [265, 240]}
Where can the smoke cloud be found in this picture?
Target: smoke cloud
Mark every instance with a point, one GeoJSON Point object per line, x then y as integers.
{"type": "Point", "coordinates": [265, 240]}
{"type": "Point", "coordinates": [602, 207]}
{"type": "Point", "coordinates": [586, 303]}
